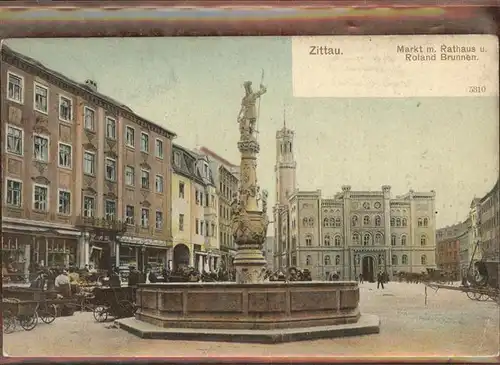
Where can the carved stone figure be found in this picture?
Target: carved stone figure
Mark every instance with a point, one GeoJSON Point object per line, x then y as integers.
{"type": "Point", "coordinates": [248, 110]}
{"type": "Point", "coordinates": [264, 200]}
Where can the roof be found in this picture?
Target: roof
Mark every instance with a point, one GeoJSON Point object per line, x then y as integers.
{"type": "Point", "coordinates": [491, 192]}
{"type": "Point", "coordinates": [8, 51]}
{"type": "Point", "coordinates": [217, 157]}
{"type": "Point", "coordinates": [187, 165]}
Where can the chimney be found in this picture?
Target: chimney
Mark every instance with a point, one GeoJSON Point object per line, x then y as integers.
{"type": "Point", "coordinates": [91, 84]}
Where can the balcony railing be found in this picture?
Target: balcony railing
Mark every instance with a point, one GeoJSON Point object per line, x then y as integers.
{"type": "Point", "coordinates": [114, 225]}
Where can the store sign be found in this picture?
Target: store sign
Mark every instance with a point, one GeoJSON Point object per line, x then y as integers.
{"type": "Point", "coordinates": [142, 241]}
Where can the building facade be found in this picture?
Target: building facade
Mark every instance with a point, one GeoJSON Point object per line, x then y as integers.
{"type": "Point", "coordinates": [86, 180]}
{"type": "Point", "coordinates": [268, 252]}
{"type": "Point", "coordinates": [489, 226]}
{"type": "Point", "coordinates": [355, 232]}
{"type": "Point", "coordinates": [452, 247]}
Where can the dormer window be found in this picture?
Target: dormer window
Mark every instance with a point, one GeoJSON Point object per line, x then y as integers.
{"type": "Point", "coordinates": [205, 167]}
{"type": "Point", "coordinates": [177, 158]}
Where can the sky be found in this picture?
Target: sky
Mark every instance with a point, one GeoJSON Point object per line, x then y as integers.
{"type": "Point", "coordinates": [194, 86]}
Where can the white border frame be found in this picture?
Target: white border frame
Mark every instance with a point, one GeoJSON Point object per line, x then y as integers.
{"type": "Point", "coordinates": [127, 127]}
{"type": "Point", "coordinates": [162, 184]}
{"type": "Point", "coordinates": [134, 177]}
{"type": "Point", "coordinates": [83, 163]}
{"type": "Point", "coordinates": [149, 176]}
{"type": "Point", "coordinates": [48, 147]}
{"type": "Point", "coordinates": [149, 142]}
{"type": "Point", "coordinates": [35, 84]}
{"type": "Point", "coordinates": [162, 148]}
{"type": "Point", "coordinates": [48, 197]}
{"type": "Point", "coordinates": [106, 119]}
{"type": "Point", "coordinates": [72, 109]}
{"type": "Point", "coordinates": [70, 167]}
{"type": "Point", "coordinates": [116, 169]}
{"type": "Point", "coordinates": [85, 108]}
{"type": "Point", "coordinates": [149, 217]}
{"type": "Point", "coordinates": [21, 102]}
{"type": "Point", "coordinates": [70, 201]}
{"type": "Point", "coordinates": [7, 179]}
{"type": "Point", "coordinates": [7, 126]}
{"type": "Point", "coordinates": [83, 205]}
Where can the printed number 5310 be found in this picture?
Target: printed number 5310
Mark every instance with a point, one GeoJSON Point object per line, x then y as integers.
{"type": "Point", "coordinates": [477, 89]}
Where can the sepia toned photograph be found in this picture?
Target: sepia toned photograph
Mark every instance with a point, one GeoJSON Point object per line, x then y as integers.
{"type": "Point", "coordinates": [250, 196]}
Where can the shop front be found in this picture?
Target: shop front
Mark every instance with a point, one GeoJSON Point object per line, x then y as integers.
{"type": "Point", "coordinates": [142, 253]}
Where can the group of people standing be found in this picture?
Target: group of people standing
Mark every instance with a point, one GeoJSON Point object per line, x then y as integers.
{"type": "Point", "coordinates": [382, 278]}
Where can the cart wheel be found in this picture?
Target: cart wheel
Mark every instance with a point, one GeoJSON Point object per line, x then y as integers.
{"type": "Point", "coordinates": [9, 322]}
{"type": "Point", "coordinates": [100, 313]}
{"type": "Point", "coordinates": [483, 297]}
{"type": "Point", "coordinates": [49, 314]}
{"type": "Point", "coordinates": [126, 309]}
{"type": "Point", "coordinates": [28, 322]}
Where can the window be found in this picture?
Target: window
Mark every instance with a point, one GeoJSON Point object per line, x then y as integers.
{"type": "Point", "coordinates": [110, 209]}
{"type": "Point", "coordinates": [110, 169]}
{"type": "Point", "coordinates": [394, 260]}
{"type": "Point", "coordinates": [64, 202]}
{"type": "Point", "coordinates": [16, 85]}
{"type": "Point", "coordinates": [89, 118]}
{"type": "Point", "coordinates": [129, 176]}
{"type": "Point", "coordinates": [366, 220]}
{"type": "Point", "coordinates": [110, 128]}
{"type": "Point", "coordinates": [338, 241]}
{"type": "Point", "coordinates": [366, 205]}
{"type": "Point", "coordinates": [40, 197]}
{"type": "Point", "coordinates": [144, 218]}
{"type": "Point", "coordinates": [420, 222]}
{"type": "Point", "coordinates": [426, 222]}
{"type": "Point", "coordinates": [403, 240]}
{"type": "Point", "coordinates": [325, 222]}
{"type": "Point", "coordinates": [65, 108]}
{"type": "Point", "coordinates": [130, 136]}
{"type": "Point", "coordinates": [311, 222]}
{"type": "Point", "coordinates": [159, 184]}
{"type": "Point", "coordinates": [404, 222]}
{"type": "Point", "coordinates": [41, 97]}
{"type": "Point", "coordinates": [201, 228]}
{"type": "Point", "coordinates": [367, 239]}
{"type": "Point", "coordinates": [327, 260]}
{"type": "Point", "coordinates": [423, 240]}
{"type": "Point", "coordinates": [181, 190]}
{"type": "Point", "coordinates": [338, 222]}
{"type": "Point", "coordinates": [423, 260]}
{"type": "Point", "coordinates": [398, 222]}
{"type": "Point", "coordinates": [393, 222]}
{"type": "Point", "coordinates": [378, 238]}
{"type": "Point", "coordinates": [308, 240]}
{"type": "Point", "coordinates": [331, 222]}
{"type": "Point", "coordinates": [337, 260]}
{"type": "Point", "coordinates": [393, 240]}
{"type": "Point", "coordinates": [308, 260]}
{"type": "Point", "coordinates": [355, 239]}
{"type": "Point", "coordinates": [130, 214]}
{"type": "Point", "coordinates": [378, 221]}
{"type": "Point", "coordinates": [14, 193]}
{"type": "Point", "coordinates": [354, 220]}
{"type": "Point", "coordinates": [197, 226]}
{"type": "Point", "coordinates": [159, 219]}
{"type": "Point", "coordinates": [65, 155]}
{"type": "Point", "coordinates": [197, 197]}
{"type": "Point", "coordinates": [88, 206]}
{"type": "Point", "coordinates": [41, 148]}
{"type": "Point", "coordinates": [144, 142]}
{"type": "Point", "coordinates": [159, 148]}
{"type": "Point", "coordinates": [327, 240]}
{"type": "Point", "coordinates": [404, 260]}
{"type": "Point", "coordinates": [145, 179]}
{"type": "Point", "coordinates": [88, 163]}
{"type": "Point", "coordinates": [177, 159]}
{"type": "Point", "coordinates": [181, 222]}
{"type": "Point", "coordinates": [15, 140]}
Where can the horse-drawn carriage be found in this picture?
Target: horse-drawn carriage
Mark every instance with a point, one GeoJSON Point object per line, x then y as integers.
{"type": "Point", "coordinates": [114, 302]}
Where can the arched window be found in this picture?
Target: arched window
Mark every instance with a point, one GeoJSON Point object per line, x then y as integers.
{"type": "Point", "coordinates": [378, 238]}
{"type": "Point", "coordinates": [308, 260]}
{"type": "Point", "coordinates": [338, 222]}
{"type": "Point", "coordinates": [311, 222]}
{"type": "Point", "coordinates": [420, 222]}
{"type": "Point", "coordinates": [398, 222]}
{"type": "Point", "coordinates": [308, 240]}
{"type": "Point", "coordinates": [394, 260]}
{"type": "Point", "coordinates": [304, 222]}
{"type": "Point", "coordinates": [367, 239]}
{"type": "Point", "coordinates": [423, 240]}
{"type": "Point", "coordinates": [366, 220]}
{"type": "Point", "coordinates": [355, 239]}
{"type": "Point", "coordinates": [327, 240]}
{"type": "Point", "coordinates": [327, 260]}
{"type": "Point", "coordinates": [423, 260]}
{"type": "Point", "coordinates": [378, 221]}
{"type": "Point", "coordinates": [393, 222]}
{"type": "Point", "coordinates": [404, 260]}
{"type": "Point", "coordinates": [337, 260]}
{"type": "Point", "coordinates": [393, 240]}
{"type": "Point", "coordinates": [404, 222]}
{"type": "Point", "coordinates": [354, 220]}
{"type": "Point", "coordinates": [403, 240]}
{"type": "Point", "coordinates": [332, 222]}
{"type": "Point", "coordinates": [426, 222]}
{"type": "Point", "coordinates": [337, 241]}
{"type": "Point", "coordinates": [325, 222]}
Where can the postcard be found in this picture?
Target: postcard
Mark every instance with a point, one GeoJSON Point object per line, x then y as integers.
{"type": "Point", "coordinates": [253, 196]}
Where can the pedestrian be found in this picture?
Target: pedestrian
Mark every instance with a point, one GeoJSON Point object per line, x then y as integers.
{"type": "Point", "coordinates": [62, 284]}
{"type": "Point", "coordinates": [361, 278]}
{"type": "Point", "coordinates": [380, 279]}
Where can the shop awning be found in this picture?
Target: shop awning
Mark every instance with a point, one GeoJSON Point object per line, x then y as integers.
{"type": "Point", "coordinates": [64, 232]}
{"type": "Point", "coordinates": [10, 227]}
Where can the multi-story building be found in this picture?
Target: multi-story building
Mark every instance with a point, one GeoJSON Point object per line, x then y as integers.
{"type": "Point", "coordinates": [193, 211]}
{"type": "Point", "coordinates": [87, 181]}
{"type": "Point", "coordinates": [226, 181]}
{"type": "Point", "coordinates": [489, 217]}
{"type": "Point", "coordinates": [268, 252]}
{"type": "Point", "coordinates": [451, 244]}
{"type": "Point", "coordinates": [355, 231]}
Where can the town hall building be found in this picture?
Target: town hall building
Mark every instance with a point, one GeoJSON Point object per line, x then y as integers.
{"type": "Point", "coordinates": [353, 232]}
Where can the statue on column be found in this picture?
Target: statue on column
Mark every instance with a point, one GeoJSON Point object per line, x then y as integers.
{"type": "Point", "coordinates": [248, 112]}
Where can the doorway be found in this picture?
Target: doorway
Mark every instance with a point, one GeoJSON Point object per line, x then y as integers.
{"type": "Point", "coordinates": [368, 269]}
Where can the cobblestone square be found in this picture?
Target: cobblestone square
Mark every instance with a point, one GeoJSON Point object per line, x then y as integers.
{"type": "Point", "coordinates": [449, 325]}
